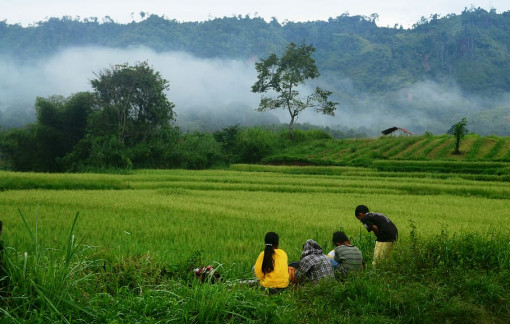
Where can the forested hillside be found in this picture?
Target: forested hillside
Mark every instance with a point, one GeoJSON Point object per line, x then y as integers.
{"type": "Point", "coordinates": [425, 78]}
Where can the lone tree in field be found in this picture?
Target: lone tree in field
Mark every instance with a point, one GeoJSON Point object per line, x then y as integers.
{"type": "Point", "coordinates": [458, 130]}
{"type": "Point", "coordinates": [284, 75]}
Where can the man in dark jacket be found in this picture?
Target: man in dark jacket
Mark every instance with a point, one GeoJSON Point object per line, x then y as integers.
{"type": "Point", "coordinates": [383, 228]}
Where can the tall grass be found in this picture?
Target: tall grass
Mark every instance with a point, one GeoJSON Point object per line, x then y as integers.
{"type": "Point", "coordinates": [451, 277]}
{"type": "Point", "coordinates": [45, 283]}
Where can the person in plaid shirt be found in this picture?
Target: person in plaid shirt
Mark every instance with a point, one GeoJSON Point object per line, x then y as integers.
{"type": "Point", "coordinates": [314, 264]}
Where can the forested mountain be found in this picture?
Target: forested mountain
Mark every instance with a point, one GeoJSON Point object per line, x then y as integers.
{"type": "Point", "coordinates": [425, 78]}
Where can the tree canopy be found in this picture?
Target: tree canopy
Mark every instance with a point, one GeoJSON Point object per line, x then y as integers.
{"type": "Point", "coordinates": [458, 130]}
{"type": "Point", "coordinates": [125, 121]}
{"type": "Point", "coordinates": [284, 75]}
{"type": "Point", "coordinates": [131, 100]}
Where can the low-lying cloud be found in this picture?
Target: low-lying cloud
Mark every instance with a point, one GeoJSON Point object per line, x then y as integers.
{"type": "Point", "coordinates": [193, 82]}
{"type": "Point", "coordinates": [221, 89]}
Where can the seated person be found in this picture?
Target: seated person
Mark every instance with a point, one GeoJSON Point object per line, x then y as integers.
{"type": "Point", "coordinates": [314, 264]}
{"type": "Point", "coordinates": [271, 267]}
{"type": "Point", "coordinates": [348, 256]}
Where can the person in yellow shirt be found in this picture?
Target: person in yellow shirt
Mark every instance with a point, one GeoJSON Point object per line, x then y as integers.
{"type": "Point", "coordinates": [271, 268]}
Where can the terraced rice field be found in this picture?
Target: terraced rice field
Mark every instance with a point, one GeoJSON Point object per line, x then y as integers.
{"type": "Point", "coordinates": [225, 213]}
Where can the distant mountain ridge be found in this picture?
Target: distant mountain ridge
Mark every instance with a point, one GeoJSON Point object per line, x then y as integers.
{"type": "Point", "coordinates": [371, 69]}
{"type": "Point", "coordinates": [473, 47]}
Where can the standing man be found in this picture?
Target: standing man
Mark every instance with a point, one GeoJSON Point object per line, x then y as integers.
{"type": "Point", "coordinates": [383, 228]}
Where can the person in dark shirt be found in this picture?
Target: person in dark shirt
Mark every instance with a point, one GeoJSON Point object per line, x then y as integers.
{"type": "Point", "coordinates": [383, 228]}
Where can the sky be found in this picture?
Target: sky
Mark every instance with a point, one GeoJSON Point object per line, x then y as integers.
{"type": "Point", "coordinates": [390, 12]}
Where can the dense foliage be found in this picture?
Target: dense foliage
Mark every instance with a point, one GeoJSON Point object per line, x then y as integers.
{"type": "Point", "coordinates": [470, 47]}
{"type": "Point", "coordinates": [125, 121]}
{"type": "Point", "coordinates": [61, 125]}
{"type": "Point", "coordinates": [131, 102]}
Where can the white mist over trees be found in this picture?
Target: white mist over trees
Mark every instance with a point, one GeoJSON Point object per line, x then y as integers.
{"type": "Point", "coordinates": [220, 90]}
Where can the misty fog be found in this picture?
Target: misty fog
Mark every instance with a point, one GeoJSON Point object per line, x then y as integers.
{"type": "Point", "coordinates": [218, 92]}
{"type": "Point", "coordinates": [196, 84]}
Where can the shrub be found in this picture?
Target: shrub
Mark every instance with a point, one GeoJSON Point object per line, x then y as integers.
{"type": "Point", "coordinates": [255, 143]}
{"type": "Point", "coordinates": [199, 151]}
{"type": "Point", "coordinates": [98, 153]}
{"type": "Point", "coordinates": [156, 152]}
{"type": "Point", "coordinates": [227, 137]}
{"type": "Point", "coordinates": [17, 147]}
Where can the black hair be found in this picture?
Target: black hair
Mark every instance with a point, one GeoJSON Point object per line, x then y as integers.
{"type": "Point", "coordinates": [361, 209]}
{"type": "Point", "coordinates": [271, 241]}
{"type": "Point", "coordinates": [339, 237]}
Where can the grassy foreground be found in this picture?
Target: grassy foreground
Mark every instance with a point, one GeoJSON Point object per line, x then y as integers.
{"type": "Point", "coordinates": [120, 248]}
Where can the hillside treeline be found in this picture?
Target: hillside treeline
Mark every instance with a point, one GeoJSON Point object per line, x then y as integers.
{"type": "Point", "coordinates": [471, 48]}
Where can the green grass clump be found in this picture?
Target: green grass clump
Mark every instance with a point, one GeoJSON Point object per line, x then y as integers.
{"type": "Point", "coordinates": [45, 283]}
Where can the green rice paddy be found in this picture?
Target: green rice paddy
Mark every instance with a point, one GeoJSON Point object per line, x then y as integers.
{"type": "Point", "coordinates": [224, 214]}
{"type": "Point", "coordinates": [106, 248]}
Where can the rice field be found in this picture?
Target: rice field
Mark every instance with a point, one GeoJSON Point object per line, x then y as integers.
{"type": "Point", "coordinates": [106, 248]}
{"type": "Point", "coordinates": [223, 214]}
{"type": "Point", "coordinates": [362, 152]}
